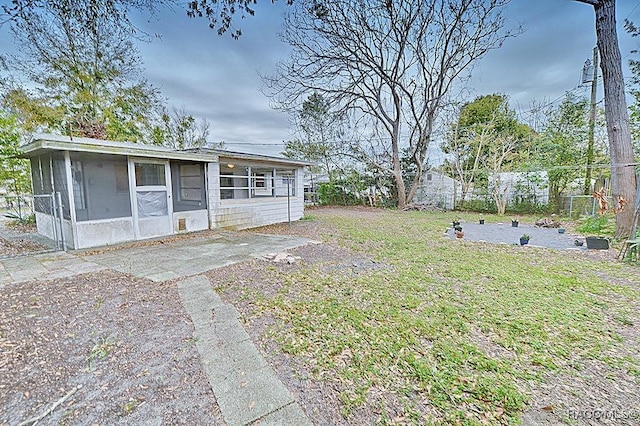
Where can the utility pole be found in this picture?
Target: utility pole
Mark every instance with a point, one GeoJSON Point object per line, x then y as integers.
{"type": "Point", "coordinates": [592, 123]}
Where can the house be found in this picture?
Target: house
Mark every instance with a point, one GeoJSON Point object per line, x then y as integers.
{"type": "Point", "coordinates": [90, 192]}
{"type": "Point", "coordinates": [438, 189]}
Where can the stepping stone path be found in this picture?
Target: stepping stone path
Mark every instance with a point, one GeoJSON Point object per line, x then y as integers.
{"type": "Point", "coordinates": [246, 388]}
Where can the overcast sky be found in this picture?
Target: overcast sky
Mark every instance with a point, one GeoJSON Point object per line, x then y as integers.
{"type": "Point", "coordinates": [218, 78]}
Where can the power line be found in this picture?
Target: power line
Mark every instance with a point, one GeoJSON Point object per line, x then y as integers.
{"type": "Point", "coordinates": [630, 13]}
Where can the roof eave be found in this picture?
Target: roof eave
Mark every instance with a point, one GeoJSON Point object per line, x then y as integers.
{"type": "Point", "coordinates": [96, 147]}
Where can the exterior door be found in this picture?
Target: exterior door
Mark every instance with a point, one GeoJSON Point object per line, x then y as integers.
{"type": "Point", "coordinates": [152, 193]}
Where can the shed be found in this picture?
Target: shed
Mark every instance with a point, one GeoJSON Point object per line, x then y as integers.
{"type": "Point", "coordinates": [91, 192]}
{"type": "Point", "coordinates": [438, 189]}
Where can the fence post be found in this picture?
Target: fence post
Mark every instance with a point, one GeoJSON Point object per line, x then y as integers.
{"type": "Point", "coordinates": [61, 219]}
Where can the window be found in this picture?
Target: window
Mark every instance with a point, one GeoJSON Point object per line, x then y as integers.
{"type": "Point", "coordinates": [247, 182]}
{"type": "Point", "coordinates": [190, 182]}
{"type": "Point", "coordinates": [262, 183]}
{"type": "Point", "coordinates": [234, 182]}
{"type": "Point", "coordinates": [150, 174]}
{"type": "Point", "coordinates": [152, 203]}
{"type": "Point", "coordinates": [100, 187]}
{"type": "Point", "coordinates": [286, 183]}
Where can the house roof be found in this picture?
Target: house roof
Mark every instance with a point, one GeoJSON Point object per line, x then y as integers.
{"type": "Point", "coordinates": [223, 153]}
{"type": "Point", "coordinates": [43, 142]}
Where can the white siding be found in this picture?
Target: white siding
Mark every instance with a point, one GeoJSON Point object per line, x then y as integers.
{"type": "Point", "coordinates": [249, 213]}
{"type": "Point", "coordinates": [241, 214]}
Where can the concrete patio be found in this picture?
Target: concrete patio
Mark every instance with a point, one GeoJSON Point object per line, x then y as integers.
{"type": "Point", "coordinates": [246, 388]}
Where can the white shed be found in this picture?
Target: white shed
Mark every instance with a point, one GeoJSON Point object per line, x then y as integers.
{"type": "Point", "coordinates": [438, 189]}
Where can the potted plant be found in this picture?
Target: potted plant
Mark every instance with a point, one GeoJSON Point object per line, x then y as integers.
{"type": "Point", "coordinates": [458, 231]}
{"type": "Point", "coordinates": [515, 222]}
{"type": "Point", "coordinates": [524, 239]}
{"type": "Point", "coordinates": [561, 230]}
{"type": "Point", "coordinates": [481, 220]}
{"type": "Point", "coordinates": [455, 222]}
{"type": "Point", "coordinates": [597, 243]}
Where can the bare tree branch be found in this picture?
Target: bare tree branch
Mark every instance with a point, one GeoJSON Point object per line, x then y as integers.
{"type": "Point", "coordinates": [394, 61]}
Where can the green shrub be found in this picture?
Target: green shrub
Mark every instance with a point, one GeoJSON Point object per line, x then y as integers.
{"type": "Point", "coordinates": [598, 225]}
{"type": "Point", "coordinates": [24, 220]}
{"type": "Point", "coordinates": [335, 194]}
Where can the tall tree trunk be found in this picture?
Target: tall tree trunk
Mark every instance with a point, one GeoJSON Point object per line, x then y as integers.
{"type": "Point", "coordinates": [623, 178]}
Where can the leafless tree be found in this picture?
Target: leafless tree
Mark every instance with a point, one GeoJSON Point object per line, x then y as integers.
{"type": "Point", "coordinates": [623, 178]}
{"type": "Point", "coordinates": [501, 150]}
{"type": "Point", "coordinates": [393, 60]}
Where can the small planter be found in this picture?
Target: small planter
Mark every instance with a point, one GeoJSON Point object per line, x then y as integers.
{"type": "Point", "coordinates": [561, 230]}
{"type": "Point", "coordinates": [515, 223]}
{"type": "Point", "coordinates": [578, 243]}
{"type": "Point", "coordinates": [524, 241]}
{"type": "Point", "coordinates": [481, 221]}
{"type": "Point", "coordinates": [597, 243]}
{"type": "Point", "coordinates": [459, 234]}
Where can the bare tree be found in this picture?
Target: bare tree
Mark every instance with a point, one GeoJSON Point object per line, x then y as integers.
{"type": "Point", "coordinates": [623, 178]}
{"type": "Point", "coordinates": [394, 61]}
{"type": "Point", "coordinates": [180, 130]}
{"type": "Point", "coordinates": [501, 151]}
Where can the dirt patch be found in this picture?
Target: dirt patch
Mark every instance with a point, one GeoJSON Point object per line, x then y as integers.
{"type": "Point", "coordinates": [124, 344]}
{"type": "Point", "coordinates": [18, 247]}
{"type": "Point", "coordinates": [15, 239]}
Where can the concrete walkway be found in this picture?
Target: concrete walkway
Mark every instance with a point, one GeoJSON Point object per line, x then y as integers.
{"type": "Point", "coordinates": [183, 258]}
{"type": "Point", "coordinates": [47, 266]}
{"type": "Point", "coordinates": [246, 388]}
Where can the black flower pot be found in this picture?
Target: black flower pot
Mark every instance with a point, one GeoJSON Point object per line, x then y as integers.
{"type": "Point", "coordinates": [481, 221]}
{"type": "Point", "coordinates": [515, 223]}
{"type": "Point", "coordinates": [597, 243]}
{"type": "Point", "coordinates": [524, 241]}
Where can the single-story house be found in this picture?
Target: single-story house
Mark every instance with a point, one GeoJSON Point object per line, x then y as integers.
{"type": "Point", "coordinates": [438, 189]}
{"type": "Point", "coordinates": [90, 192]}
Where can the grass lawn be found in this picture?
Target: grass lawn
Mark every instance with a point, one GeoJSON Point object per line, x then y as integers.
{"type": "Point", "coordinates": [439, 331]}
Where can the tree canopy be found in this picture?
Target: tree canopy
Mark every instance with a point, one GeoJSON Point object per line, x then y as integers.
{"type": "Point", "coordinates": [391, 64]}
{"type": "Point", "coordinates": [85, 70]}
{"type": "Point", "coordinates": [485, 140]}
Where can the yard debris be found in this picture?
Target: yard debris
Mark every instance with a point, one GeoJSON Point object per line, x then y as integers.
{"type": "Point", "coordinates": [282, 257]}
{"type": "Point", "coordinates": [421, 207]}
{"type": "Point", "coordinates": [547, 223]}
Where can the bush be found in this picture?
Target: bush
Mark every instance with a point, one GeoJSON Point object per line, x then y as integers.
{"type": "Point", "coordinates": [598, 225]}
{"type": "Point", "coordinates": [334, 194]}
{"type": "Point", "coordinates": [24, 220]}
{"type": "Point", "coordinates": [528, 207]}
{"type": "Point", "coordinates": [477, 205]}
